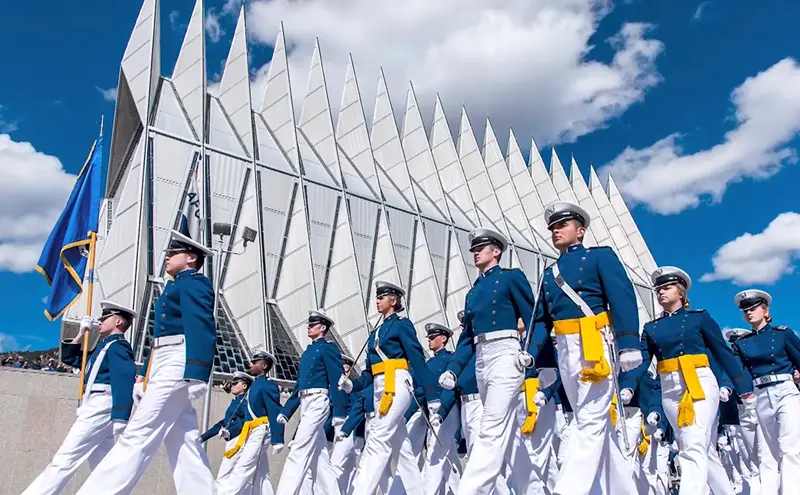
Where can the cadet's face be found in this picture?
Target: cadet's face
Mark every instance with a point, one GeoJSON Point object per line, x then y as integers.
{"type": "Point", "coordinates": [668, 295]}
{"type": "Point", "coordinates": [435, 343]}
{"type": "Point", "coordinates": [755, 315]}
{"type": "Point", "coordinates": [484, 256]}
{"type": "Point", "coordinates": [238, 388]}
{"type": "Point", "coordinates": [385, 303]}
{"type": "Point", "coordinates": [257, 367]}
{"type": "Point", "coordinates": [566, 233]}
{"type": "Point", "coordinates": [315, 330]}
{"type": "Point", "coordinates": [108, 324]}
{"type": "Point", "coordinates": [178, 262]}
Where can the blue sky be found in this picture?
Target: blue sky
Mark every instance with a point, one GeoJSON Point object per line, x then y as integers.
{"type": "Point", "coordinates": [51, 97]}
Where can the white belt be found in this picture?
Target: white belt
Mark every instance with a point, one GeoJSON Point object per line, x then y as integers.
{"type": "Point", "coordinates": [470, 397]}
{"type": "Point", "coordinates": [496, 335]}
{"type": "Point", "coordinates": [99, 387]}
{"type": "Point", "coordinates": [312, 391]}
{"type": "Point", "coordinates": [369, 415]}
{"type": "Point", "coordinates": [774, 378]}
{"type": "Point", "coordinates": [168, 340]}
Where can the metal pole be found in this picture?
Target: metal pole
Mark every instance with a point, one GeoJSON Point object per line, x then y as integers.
{"type": "Point", "coordinates": [207, 400]}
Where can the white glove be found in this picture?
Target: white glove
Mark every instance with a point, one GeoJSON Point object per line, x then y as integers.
{"type": "Point", "coordinates": [118, 428]}
{"type": "Point", "coordinates": [436, 420]}
{"type": "Point", "coordinates": [724, 394]}
{"type": "Point", "coordinates": [277, 449]}
{"type": "Point", "coordinates": [337, 422]}
{"type": "Point", "coordinates": [197, 389]}
{"type": "Point", "coordinates": [345, 384]}
{"type": "Point", "coordinates": [630, 359]}
{"type": "Point", "coordinates": [138, 392]}
{"type": "Point", "coordinates": [658, 435]}
{"type": "Point", "coordinates": [674, 447]}
{"type": "Point", "coordinates": [87, 323]}
{"type": "Point", "coordinates": [524, 361]}
{"type": "Point", "coordinates": [653, 419]}
{"type": "Point", "coordinates": [282, 419]}
{"type": "Point", "coordinates": [539, 399]}
{"type": "Point", "coordinates": [447, 380]}
{"type": "Point", "coordinates": [224, 433]}
{"type": "Point", "coordinates": [626, 395]}
{"type": "Point", "coordinates": [340, 436]}
{"type": "Point", "coordinates": [722, 441]}
{"type": "Point", "coordinates": [433, 407]}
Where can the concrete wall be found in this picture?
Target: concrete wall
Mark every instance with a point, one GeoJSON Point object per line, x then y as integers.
{"type": "Point", "coordinates": [37, 409]}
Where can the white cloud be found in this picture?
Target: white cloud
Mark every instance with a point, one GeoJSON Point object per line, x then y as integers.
{"type": "Point", "coordinates": [525, 64]}
{"type": "Point", "coordinates": [175, 21]}
{"type": "Point", "coordinates": [701, 8]}
{"type": "Point", "coordinates": [767, 115]}
{"type": "Point", "coordinates": [213, 27]}
{"type": "Point", "coordinates": [32, 194]}
{"type": "Point", "coordinates": [7, 126]}
{"type": "Point", "coordinates": [8, 343]}
{"type": "Point", "coordinates": [109, 94]}
{"type": "Point", "coordinates": [760, 258]}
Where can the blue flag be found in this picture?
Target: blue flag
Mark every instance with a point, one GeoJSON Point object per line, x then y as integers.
{"type": "Point", "coordinates": [65, 254]}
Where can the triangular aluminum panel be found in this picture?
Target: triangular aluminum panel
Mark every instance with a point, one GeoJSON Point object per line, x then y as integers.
{"type": "Point", "coordinates": [424, 299]}
{"type": "Point", "coordinates": [284, 346]}
{"type": "Point", "coordinates": [503, 188]}
{"type": "Point", "coordinates": [462, 236]}
{"type": "Point", "coordinates": [189, 75]}
{"type": "Point", "coordinates": [170, 116]}
{"type": "Point", "coordinates": [437, 236]}
{"type": "Point", "coordinates": [477, 178]}
{"type": "Point", "coordinates": [141, 60]}
{"type": "Point", "coordinates": [541, 179]}
{"type": "Point", "coordinates": [270, 154]}
{"type": "Point", "coordinates": [227, 182]}
{"type": "Point", "coordinates": [530, 263]}
{"type": "Point", "coordinates": [565, 192]}
{"type": "Point", "coordinates": [454, 182]}
{"type": "Point", "coordinates": [356, 160]}
{"type": "Point", "coordinates": [364, 220]}
{"type": "Point", "coordinates": [322, 204]}
{"type": "Point", "coordinates": [295, 292]}
{"type": "Point", "coordinates": [388, 152]}
{"type": "Point", "coordinates": [386, 266]}
{"type": "Point", "coordinates": [221, 135]}
{"type": "Point", "coordinates": [243, 284]}
{"type": "Point", "coordinates": [277, 194]}
{"type": "Point", "coordinates": [403, 228]}
{"type": "Point", "coordinates": [234, 87]}
{"type": "Point", "coordinates": [317, 143]}
{"type": "Point", "coordinates": [634, 235]}
{"type": "Point", "coordinates": [277, 107]}
{"type": "Point", "coordinates": [528, 197]}
{"type": "Point", "coordinates": [419, 157]}
{"type": "Point", "coordinates": [458, 284]}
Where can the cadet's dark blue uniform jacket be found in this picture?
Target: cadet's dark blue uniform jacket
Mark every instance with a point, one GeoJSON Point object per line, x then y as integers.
{"type": "Point", "coordinates": [233, 420]}
{"type": "Point", "coordinates": [361, 404]}
{"type": "Point", "coordinates": [686, 332]}
{"type": "Point", "coordinates": [655, 405]}
{"type": "Point", "coordinates": [186, 307]}
{"type": "Point", "coordinates": [118, 370]}
{"type": "Point", "coordinates": [596, 275]}
{"type": "Point", "coordinates": [769, 351]}
{"type": "Point", "coordinates": [398, 340]}
{"type": "Point", "coordinates": [437, 365]}
{"type": "Point", "coordinates": [264, 398]}
{"type": "Point", "coordinates": [498, 299]}
{"type": "Point", "coordinates": [320, 367]}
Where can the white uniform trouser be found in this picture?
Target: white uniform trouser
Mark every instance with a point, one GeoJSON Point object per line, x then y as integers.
{"type": "Point", "coordinates": [471, 414]}
{"type": "Point", "coordinates": [718, 480]}
{"type": "Point", "coordinates": [654, 467]}
{"type": "Point", "coordinates": [343, 460]}
{"type": "Point", "coordinates": [410, 455]}
{"type": "Point", "coordinates": [305, 454]}
{"type": "Point", "coordinates": [777, 407]}
{"type": "Point", "coordinates": [226, 465]}
{"type": "Point", "coordinates": [385, 439]}
{"type": "Point", "coordinates": [250, 469]}
{"type": "Point", "coordinates": [532, 460]}
{"type": "Point", "coordinates": [499, 382]}
{"type": "Point", "coordinates": [633, 429]}
{"type": "Point", "coordinates": [165, 415]}
{"type": "Point", "coordinates": [565, 425]}
{"type": "Point", "coordinates": [594, 462]}
{"type": "Point", "coordinates": [386, 477]}
{"type": "Point", "coordinates": [437, 473]}
{"type": "Point", "coordinates": [695, 442]}
{"type": "Point", "coordinates": [90, 438]}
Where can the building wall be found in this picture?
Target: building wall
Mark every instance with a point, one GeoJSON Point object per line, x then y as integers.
{"type": "Point", "coordinates": [37, 409]}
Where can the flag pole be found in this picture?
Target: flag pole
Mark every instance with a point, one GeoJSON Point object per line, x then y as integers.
{"type": "Point", "coordinates": [89, 291]}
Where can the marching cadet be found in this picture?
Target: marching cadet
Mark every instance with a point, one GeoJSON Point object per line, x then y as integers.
{"type": "Point", "coordinates": [107, 399]}
{"type": "Point", "coordinates": [178, 370]}
{"type": "Point", "coordinates": [772, 354]}
{"type": "Point", "coordinates": [442, 455]}
{"type": "Point", "coordinates": [250, 471]}
{"type": "Point", "coordinates": [392, 351]}
{"type": "Point", "coordinates": [582, 294]}
{"type": "Point", "coordinates": [229, 427]}
{"type": "Point", "coordinates": [498, 298]}
{"type": "Point", "coordinates": [315, 392]}
{"type": "Point", "coordinates": [343, 456]}
{"type": "Point", "coordinates": [656, 437]}
{"type": "Point", "coordinates": [693, 360]}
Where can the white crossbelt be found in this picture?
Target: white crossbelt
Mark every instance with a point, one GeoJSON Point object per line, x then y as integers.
{"type": "Point", "coordinates": [168, 340]}
{"type": "Point", "coordinates": [470, 397]}
{"type": "Point", "coordinates": [774, 378]}
{"type": "Point", "coordinates": [90, 386]}
{"type": "Point", "coordinates": [496, 335]}
{"type": "Point", "coordinates": [312, 391]}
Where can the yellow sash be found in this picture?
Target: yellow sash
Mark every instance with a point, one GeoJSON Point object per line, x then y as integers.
{"type": "Point", "coordinates": [592, 342]}
{"type": "Point", "coordinates": [388, 368]}
{"type": "Point", "coordinates": [687, 365]}
{"type": "Point", "coordinates": [246, 429]}
{"type": "Point", "coordinates": [644, 445]}
{"type": "Point", "coordinates": [530, 386]}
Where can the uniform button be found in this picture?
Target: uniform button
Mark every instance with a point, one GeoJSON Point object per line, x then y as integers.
{"type": "Point", "coordinates": [681, 353]}
{"type": "Point", "coordinates": [547, 293]}
{"type": "Point", "coordinates": [494, 312]}
{"type": "Point", "coordinates": [494, 291]}
{"type": "Point", "coordinates": [162, 327]}
{"type": "Point", "coordinates": [494, 302]}
{"type": "Point", "coordinates": [497, 281]}
{"type": "Point", "coordinates": [580, 282]}
{"type": "Point", "coordinates": [587, 251]}
{"type": "Point", "coordinates": [580, 269]}
{"type": "Point", "coordinates": [493, 323]}
{"type": "Point", "coordinates": [163, 315]}
{"type": "Point", "coordinates": [580, 292]}
{"type": "Point", "coordinates": [583, 258]}
{"type": "Point", "coordinates": [163, 305]}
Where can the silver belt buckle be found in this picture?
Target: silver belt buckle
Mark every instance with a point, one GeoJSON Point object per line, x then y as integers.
{"type": "Point", "coordinates": [480, 338]}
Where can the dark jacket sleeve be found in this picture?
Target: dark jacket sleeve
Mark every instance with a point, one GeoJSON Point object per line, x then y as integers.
{"type": "Point", "coordinates": [122, 370]}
